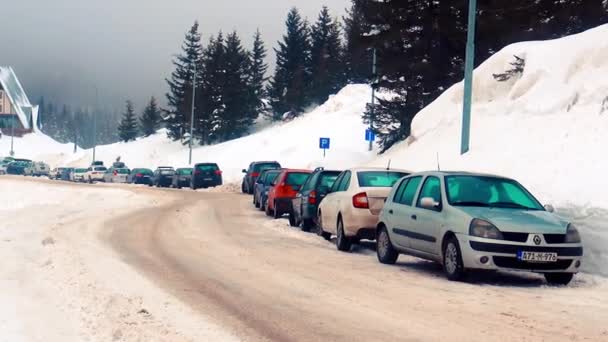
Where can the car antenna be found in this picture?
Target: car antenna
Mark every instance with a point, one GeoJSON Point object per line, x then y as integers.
{"type": "Point", "coordinates": [388, 167]}
{"type": "Point", "coordinates": [438, 167]}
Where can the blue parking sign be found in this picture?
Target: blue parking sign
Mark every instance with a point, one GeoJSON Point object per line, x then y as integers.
{"type": "Point", "coordinates": [324, 143]}
{"type": "Point", "coordinates": [370, 135]}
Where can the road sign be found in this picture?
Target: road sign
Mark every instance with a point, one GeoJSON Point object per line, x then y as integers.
{"type": "Point", "coordinates": [370, 135]}
{"type": "Point", "coordinates": [324, 143]}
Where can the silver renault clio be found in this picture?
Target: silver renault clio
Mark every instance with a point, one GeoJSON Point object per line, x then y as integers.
{"type": "Point", "coordinates": [470, 221]}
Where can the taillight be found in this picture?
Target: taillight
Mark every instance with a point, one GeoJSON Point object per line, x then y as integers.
{"type": "Point", "coordinates": [197, 172]}
{"type": "Point", "coordinates": [360, 201]}
{"type": "Point", "coordinates": [218, 172]}
{"type": "Point", "coordinates": [255, 174]}
{"type": "Point", "coordinates": [139, 175]}
{"type": "Point", "coordinates": [312, 197]}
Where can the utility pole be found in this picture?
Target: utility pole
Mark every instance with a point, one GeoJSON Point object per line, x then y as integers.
{"type": "Point", "coordinates": [372, 109]}
{"type": "Point", "coordinates": [12, 153]}
{"type": "Point", "coordinates": [95, 122]}
{"type": "Point", "coordinates": [468, 78]}
{"type": "Point", "coordinates": [192, 114]}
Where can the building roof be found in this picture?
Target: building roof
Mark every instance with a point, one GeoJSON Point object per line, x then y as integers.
{"type": "Point", "coordinates": [13, 89]}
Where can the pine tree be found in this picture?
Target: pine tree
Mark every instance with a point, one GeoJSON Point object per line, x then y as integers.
{"type": "Point", "coordinates": [150, 119]}
{"type": "Point", "coordinates": [288, 88]}
{"type": "Point", "coordinates": [327, 68]}
{"type": "Point", "coordinates": [211, 94]}
{"type": "Point", "coordinates": [357, 56]}
{"type": "Point", "coordinates": [127, 130]}
{"type": "Point", "coordinates": [179, 98]}
{"type": "Point", "coordinates": [257, 73]}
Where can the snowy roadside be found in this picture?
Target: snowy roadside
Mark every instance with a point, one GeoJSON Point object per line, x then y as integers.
{"type": "Point", "coordinates": [59, 282]}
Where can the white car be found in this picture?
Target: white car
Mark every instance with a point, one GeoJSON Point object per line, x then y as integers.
{"type": "Point", "coordinates": [350, 210]}
{"type": "Point", "coordinates": [116, 175]}
{"type": "Point", "coordinates": [79, 175]}
{"type": "Point", "coordinates": [95, 174]}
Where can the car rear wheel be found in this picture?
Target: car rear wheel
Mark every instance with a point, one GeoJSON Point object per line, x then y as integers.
{"type": "Point", "coordinates": [275, 212]}
{"type": "Point", "coordinates": [292, 219]}
{"type": "Point", "coordinates": [320, 231]}
{"type": "Point", "coordinates": [307, 224]}
{"type": "Point", "coordinates": [343, 243]}
{"type": "Point", "coordinates": [384, 248]}
{"type": "Point", "coordinates": [452, 260]}
{"type": "Point", "coordinates": [268, 211]}
{"type": "Point", "coordinates": [559, 278]}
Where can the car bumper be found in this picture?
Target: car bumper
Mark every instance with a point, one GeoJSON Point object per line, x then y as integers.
{"type": "Point", "coordinates": [283, 205]}
{"type": "Point", "coordinates": [502, 255]}
{"type": "Point", "coordinates": [360, 223]}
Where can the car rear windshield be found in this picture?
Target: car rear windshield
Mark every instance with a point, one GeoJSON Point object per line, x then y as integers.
{"type": "Point", "coordinates": [122, 171]}
{"type": "Point", "coordinates": [270, 176]}
{"type": "Point", "coordinates": [265, 166]}
{"type": "Point", "coordinates": [379, 179]}
{"type": "Point", "coordinates": [328, 178]}
{"type": "Point", "coordinates": [146, 172]}
{"type": "Point", "coordinates": [488, 191]}
{"type": "Point", "coordinates": [100, 168]}
{"type": "Point", "coordinates": [207, 167]}
{"type": "Point", "coordinates": [184, 172]}
{"type": "Point", "coordinates": [80, 170]}
{"type": "Point", "coordinates": [296, 178]}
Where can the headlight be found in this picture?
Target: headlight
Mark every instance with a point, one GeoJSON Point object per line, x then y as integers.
{"type": "Point", "coordinates": [484, 229]}
{"type": "Point", "coordinates": [572, 235]}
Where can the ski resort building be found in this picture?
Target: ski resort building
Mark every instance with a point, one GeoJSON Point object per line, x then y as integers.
{"type": "Point", "coordinates": [17, 115]}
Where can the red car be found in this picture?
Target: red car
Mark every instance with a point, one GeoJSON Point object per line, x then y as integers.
{"type": "Point", "coordinates": [285, 188]}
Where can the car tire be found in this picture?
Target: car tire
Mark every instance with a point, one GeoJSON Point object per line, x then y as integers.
{"type": "Point", "coordinates": [452, 260]}
{"type": "Point", "coordinates": [343, 243]}
{"type": "Point", "coordinates": [275, 212]}
{"type": "Point", "coordinates": [384, 248]}
{"type": "Point", "coordinates": [559, 278]}
{"type": "Point", "coordinates": [256, 202]}
{"type": "Point", "coordinates": [268, 211]}
{"type": "Point", "coordinates": [320, 231]}
{"type": "Point", "coordinates": [243, 190]}
{"type": "Point", "coordinates": [292, 219]}
{"type": "Point", "coordinates": [306, 224]}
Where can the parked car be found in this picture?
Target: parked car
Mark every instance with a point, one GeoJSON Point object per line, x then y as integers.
{"type": "Point", "coordinates": [253, 172]}
{"type": "Point", "coordinates": [283, 189]}
{"type": "Point", "coordinates": [79, 175]}
{"type": "Point", "coordinates": [18, 166]}
{"type": "Point", "coordinates": [206, 175]}
{"type": "Point", "coordinates": [4, 164]}
{"type": "Point", "coordinates": [66, 174]}
{"type": "Point", "coordinates": [140, 176]}
{"type": "Point", "coordinates": [97, 163]}
{"type": "Point", "coordinates": [468, 221]}
{"type": "Point", "coordinates": [96, 173]}
{"type": "Point", "coordinates": [37, 169]}
{"type": "Point", "coordinates": [182, 178]}
{"type": "Point", "coordinates": [351, 208]}
{"type": "Point", "coordinates": [307, 200]}
{"type": "Point", "coordinates": [116, 175]}
{"type": "Point", "coordinates": [163, 176]}
{"type": "Point", "coordinates": [55, 173]}
{"type": "Point", "coordinates": [262, 186]}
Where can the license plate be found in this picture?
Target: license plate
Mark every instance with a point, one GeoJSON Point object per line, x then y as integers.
{"type": "Point", "coordinates": [536, 256]}
{"type": "Point", "coordinates": [207, 179]}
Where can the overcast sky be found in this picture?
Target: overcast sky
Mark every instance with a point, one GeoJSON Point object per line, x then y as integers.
{"type": "Point", "coordinates": [63, 48]}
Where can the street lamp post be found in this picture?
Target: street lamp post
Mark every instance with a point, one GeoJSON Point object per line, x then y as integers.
{"type": "Point", "coordinates": [95, 122]}
{"type": "Point", "coordinates": [468, 78]}
{"type": "Point", "coordinates": [12, 153]}
{"type": "Point", "coordinates": [192, 114]}
{"type": "Point", "coordinates": [372, 109]}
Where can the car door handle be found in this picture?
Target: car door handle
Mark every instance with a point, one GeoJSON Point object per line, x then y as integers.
{"type": "Point", "coordinates": [414, 217]}
{"type": "Point", "coordinates": [390, 211]}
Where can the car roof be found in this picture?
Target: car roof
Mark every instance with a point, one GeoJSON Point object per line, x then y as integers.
{"type": "Point", "coordinates": [265, 162]}
{"type": "Point", "coordinates": [364, 169]}
{"type": "Point", "coordinates": [457, 173]}
{"type": "Point", "coordinates": [165, 167]}
{"type": "Point", "coordinates": [184, 168]}
{"type": "Point", "coordinates": [205, 164]}
{"type": "Point", "coordinates": [296, 170]}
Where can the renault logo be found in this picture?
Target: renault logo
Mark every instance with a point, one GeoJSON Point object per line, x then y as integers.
{"type": "Point", "coordinates": [537, 240]}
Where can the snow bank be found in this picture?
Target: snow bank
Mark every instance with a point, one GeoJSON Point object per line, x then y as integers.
{"type": "Point", "coordinates": [547, 128]}
{"type": "Point", "coordinates": [293, 144]}
{"type": "Point", "coordinates": [36, 146]}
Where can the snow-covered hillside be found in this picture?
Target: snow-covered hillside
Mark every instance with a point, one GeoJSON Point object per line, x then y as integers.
{"type": "Point", "coordinates": [546, 129]}
{"type": "Point", "coordinates": [36, 146]}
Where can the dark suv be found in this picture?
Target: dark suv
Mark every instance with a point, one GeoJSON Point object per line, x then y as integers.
{"type": "Point", "coordinates": [253, 172]}
{"type": "Point", "coordinates": [307, 200]}
{"type": "Point", "coordinates": [163, 176]}
{"type": "Point", "coordinates": [206, 175]}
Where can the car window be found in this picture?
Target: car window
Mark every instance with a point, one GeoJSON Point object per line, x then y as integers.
{"type": "Point", "coordinates": [100, 168]}
{"type": "Point", "coordinates": [207, 167]}
{"type": "Point", "coordinates": [296, 178]}
{"type": "Point", "coordinates": [327, 179]}
{"type": "Point", "coordinates": [265, 166]}
{"type": "Point", "coordinates": [336, 185]}
{"type": "Point", "coordinates": [310, 183]}
{"type": "Point", "coordinates": [379, 179]}
{"type": "Point", "coordinates": [122, 171]}
{"type": "Point", "coordinates": [409, 192]}
{"type": "Point", "coordinates": [345, 183]}
{"type": "Point", "coordinates": [270, 176]}
{"type": "Point", "coordinates": [431, 188]}
{"type": "Point", "coordinates": [399, 191]}
{"type": "Point", "coordinates": [184, 172]}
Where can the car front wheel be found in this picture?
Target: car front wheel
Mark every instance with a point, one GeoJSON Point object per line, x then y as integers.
{"type": "Point", "coordinates": [452, 260]}
{"type": "Point", "coordinates": [559, 278]}
{"type": "Point", "coordinates": [343, 243]}
{"type": "Point", "coordinates": [384, 248]}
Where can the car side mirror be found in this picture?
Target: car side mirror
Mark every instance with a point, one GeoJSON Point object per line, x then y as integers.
{"type": "Point", "coordinates": [244, 171]}
{"type": "Point", "coordinates": [429, 203]}
{"type": "Point", "coordinates": [549, 208]}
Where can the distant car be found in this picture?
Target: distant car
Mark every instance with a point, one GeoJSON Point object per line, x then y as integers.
{"type": "Point", "coordinates": [351, 208]}
{"type": "Point", "coordinates": [97, 163]}
{"type": "Point", "coordinates": [79, 175]}
{"type": "Point", "coordinates": [253, 172]}
{"type": "Point", "coordinates": [66, 174]}
{"type": "Point", "coordinates": [284, 188]}
{"type": "Point", "coordinates": [140, 176]}
{"type": "Point", "coordinates": [163, 176]}
{"type": "Point", "coordinates": [116, 175]}
{"type": "Point", "coordinates": [468, 221]}
{"type": "Point", "coordinates": [37, 169]}
{"type": "Point", "coordinates": [206, 175]}
{"type": "Point", "coordinates": [182, 178]}
{"type": "Point", "coordinates": [262, 185]}
{"type": "Point", "coordinates": [55, 173]}
{"type": "Point", "coordinates": [18, 166]}
{"type": "Point", "coordinates": [307, 200]}
{"type": "Point", "coordinates": [95, 174]}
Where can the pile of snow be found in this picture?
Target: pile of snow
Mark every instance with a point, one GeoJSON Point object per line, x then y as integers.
{"type": "Point", "coordinates": [546, 128]}
{"type": "Point", "coordinates": [294, 144]}
{"type": "Point", "coordinates": [36, 146]}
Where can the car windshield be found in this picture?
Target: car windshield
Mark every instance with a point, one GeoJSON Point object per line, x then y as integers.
{"type": "Point", "coordinates": [487, 191]}
{"type": "Point", "coordinates": [101, 168]}
{"type": "Point", "coordinates": [297, 178]}
{"type": "Point", "coordinates": [265, 166]}
{"type": "Point", "coordinates": [184, 172]}
{"type": "Point", "coordinates": [270, 176]}
{"type": "Point", "coordinates": [379, 179]}
{"type": "Point", "coordinates": [207, 167]}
